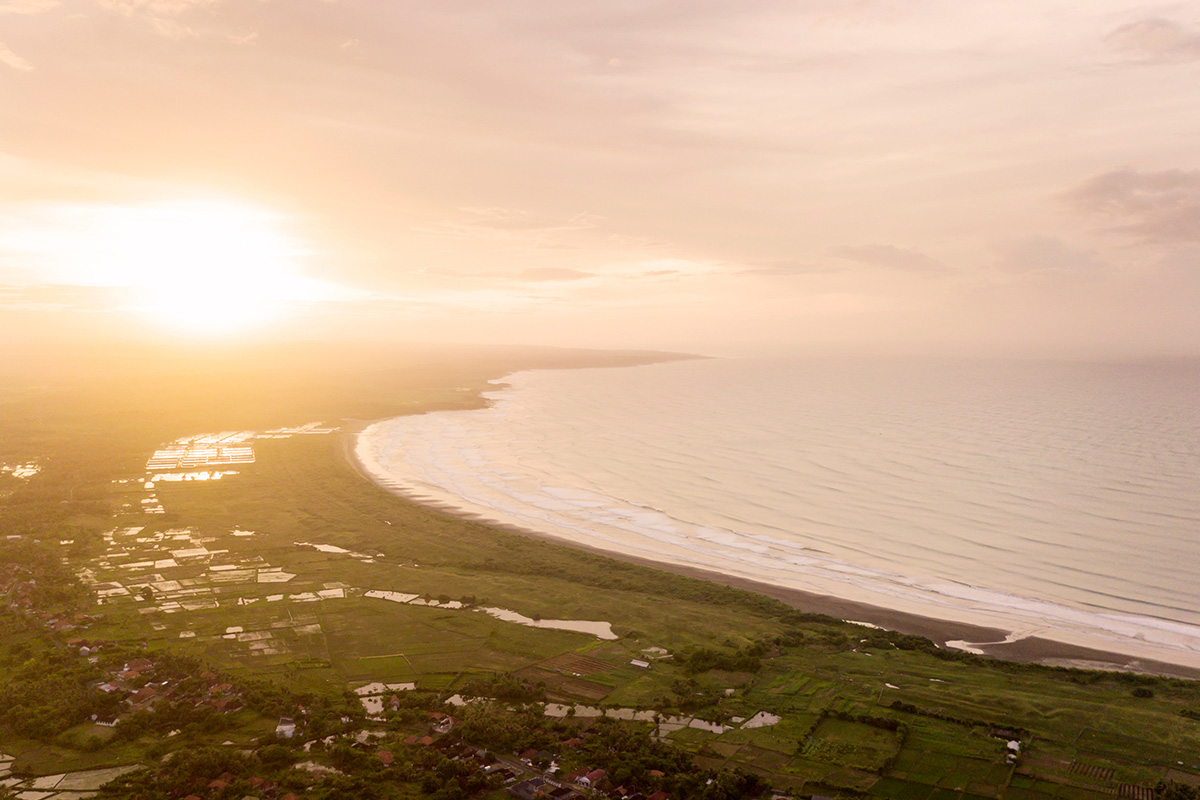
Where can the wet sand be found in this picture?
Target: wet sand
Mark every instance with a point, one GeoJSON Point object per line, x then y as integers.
{"type": "Point", "coordinates": [1032, 649]}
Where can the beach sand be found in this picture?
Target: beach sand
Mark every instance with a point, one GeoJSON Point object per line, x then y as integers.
{"type": "Point", "coordinates": [989, 642]}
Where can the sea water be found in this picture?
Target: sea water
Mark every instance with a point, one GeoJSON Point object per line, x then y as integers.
{"type": "Point", "coordinates": [1058, 499]}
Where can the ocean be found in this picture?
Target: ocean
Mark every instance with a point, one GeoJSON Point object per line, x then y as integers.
{"type": "Point", "coordinates": [1051, 499]}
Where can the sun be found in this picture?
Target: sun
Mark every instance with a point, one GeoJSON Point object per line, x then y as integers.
{"type": "Point", "coordinates": [206, 267]}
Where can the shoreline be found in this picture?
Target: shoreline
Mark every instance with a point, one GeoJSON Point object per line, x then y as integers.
{"type": "Point", "coordinates": [989, 642]}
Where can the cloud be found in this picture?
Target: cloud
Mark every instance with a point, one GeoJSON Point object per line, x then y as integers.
{"type": "Point", "coordinates": [165, 16]}
{"type": "Point", "coordinates": [10, 59]}
{"type": "Point", "coordinates": [531, 275]}
{"type": "Point", "coordinates": [28, 6]}
{"type": "Point", "coordinates": [1156, 207]}
{"type": "Point", "coordinates": [890, 256]}
{"type": "Point", "coordinates": [1156, 39]}
{"type": "Point", "coordinates": [153, 7]}
{"type": "Point", "coordinates": [513, 228]}
{"type": "Point", "coordinates": [636, 242]}
{"type": "Point", "coordinates": [552, 274]}
{"type": "Point", "coordinates": [1046, 255]}
{"type": "Point", "coordinates": [520, 220]}
{"type": "Point", "coordinates": [57, 297]}
{"type": "Point", "coordinates": [791, 267]}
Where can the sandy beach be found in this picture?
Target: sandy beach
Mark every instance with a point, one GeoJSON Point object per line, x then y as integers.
{"type": "Point", "coordinates": [987, 641]}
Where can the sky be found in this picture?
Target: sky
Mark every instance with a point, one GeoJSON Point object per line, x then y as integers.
{"type": "Point", "coordinates": [924, 176]}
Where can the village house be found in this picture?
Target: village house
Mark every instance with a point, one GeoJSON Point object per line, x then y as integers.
{"type": "Point", "coordinates": [144, 698]}
{"type": "Point", "coordinates": [592, 778]}
{"type": "Point", "coordinates": [531, 789]}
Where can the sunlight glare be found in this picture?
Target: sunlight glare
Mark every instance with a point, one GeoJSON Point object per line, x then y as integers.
{"type": "Point", "coordinates": [200, 267]}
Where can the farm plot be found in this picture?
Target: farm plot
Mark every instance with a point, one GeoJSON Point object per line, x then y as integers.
{"type": "Point", "coordinates": [566, 687]}
{"type": "Point", "coordinates": [852, 744]}
{"type": "Point", "coordinates": [576, 664]}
